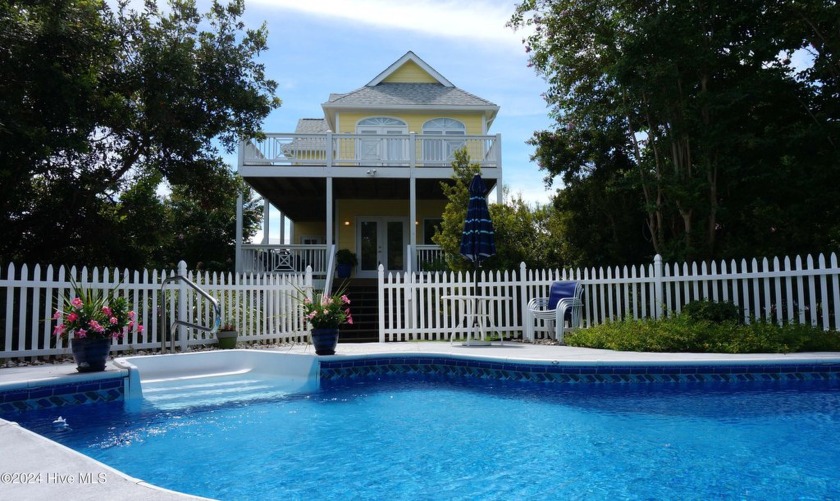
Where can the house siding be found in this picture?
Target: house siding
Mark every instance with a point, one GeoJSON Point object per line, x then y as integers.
{"type": "Point", "coordinates": [474, 122]}
{"type": "Point", "coordinates": [410, 72]}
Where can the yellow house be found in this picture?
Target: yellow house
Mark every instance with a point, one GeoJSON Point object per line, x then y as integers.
{"type": "Point", "coordinates": [366, 176]}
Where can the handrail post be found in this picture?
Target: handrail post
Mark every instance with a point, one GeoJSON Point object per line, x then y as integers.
{"type": "Point", "coordinates": [182, 306]}
{"type": "Point", "coordinates": [182, 324]}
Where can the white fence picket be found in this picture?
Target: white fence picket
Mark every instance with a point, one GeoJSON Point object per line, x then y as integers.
{"type": "Point", "coordinates": [411, 306]}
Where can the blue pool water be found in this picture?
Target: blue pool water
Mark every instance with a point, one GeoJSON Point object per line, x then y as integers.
{"type": "Point", "coordinates": [479, 439]}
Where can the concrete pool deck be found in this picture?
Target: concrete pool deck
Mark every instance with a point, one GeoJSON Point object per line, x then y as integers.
{"type": "Point", "coordinates": [33, 467]}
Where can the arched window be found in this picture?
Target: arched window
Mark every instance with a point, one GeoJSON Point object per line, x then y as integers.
{"type": "Point", "coordinates": [383, 149]}
{"type": "Point", "coordinates": [442, 150]}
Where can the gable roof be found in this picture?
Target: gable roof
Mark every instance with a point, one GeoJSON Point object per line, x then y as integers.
{"type": "Point", "coordinates": [434, 91]}
{"type": "Point", "coordinates": [399, 63]}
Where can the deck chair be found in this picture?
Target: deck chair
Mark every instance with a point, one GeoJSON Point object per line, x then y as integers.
{"type": "Point", "coordinates": [563, 304]}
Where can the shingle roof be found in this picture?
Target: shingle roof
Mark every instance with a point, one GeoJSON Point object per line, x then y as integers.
{"type": "Point", "coordinates": [311, 126]}
{"type": "Point", "coordinates": [405, 94]}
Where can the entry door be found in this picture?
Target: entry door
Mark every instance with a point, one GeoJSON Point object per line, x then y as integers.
{"type": "Point", "coordinates": [382, 240]}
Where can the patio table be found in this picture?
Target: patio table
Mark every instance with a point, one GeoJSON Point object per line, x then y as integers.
{"type": "Point", "coordinates": [476, 310]}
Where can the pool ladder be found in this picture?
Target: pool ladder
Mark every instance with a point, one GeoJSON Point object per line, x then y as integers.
{"type": "Point", "coordinates": [217, 313]}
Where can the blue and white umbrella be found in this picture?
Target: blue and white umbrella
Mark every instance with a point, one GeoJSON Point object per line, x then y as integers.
{"type": "Point", "coordinates": [478, 242]}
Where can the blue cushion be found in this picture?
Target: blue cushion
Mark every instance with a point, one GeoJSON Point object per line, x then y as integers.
{"type": "Point", "coordinates": [560, 290]}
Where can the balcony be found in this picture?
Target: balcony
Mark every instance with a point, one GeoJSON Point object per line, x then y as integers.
{"type": "Point", "coordinates": [366, 150]}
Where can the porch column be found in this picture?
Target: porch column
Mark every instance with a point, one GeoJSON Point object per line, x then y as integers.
{"type": "Point", "coordinates": [283, 229]}
{"type": "Point", "coordinates": [238, 238]}
{"type": "Point", "coordinates": [266, 221]}
{"type": "Point", "coordinates": [499, 185]}
{"type": "Point", "coordinates": [329, 233]}
{"type": "Point", "coordinates": [412, 222]}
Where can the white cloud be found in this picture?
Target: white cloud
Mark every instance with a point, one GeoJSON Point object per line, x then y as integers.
{"type": "Point", "coordinates": [477, 20]}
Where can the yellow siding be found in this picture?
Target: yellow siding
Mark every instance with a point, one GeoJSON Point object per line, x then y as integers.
{"type": "Point", "coordinates": [309, 229]}
{"type": "Point", "coordinates": [410, 72]}
{"type": "Point", "coordinates": [473, 121]}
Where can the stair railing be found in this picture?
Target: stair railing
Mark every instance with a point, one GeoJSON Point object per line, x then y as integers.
{"type": "Point", "coordinates": [217, 313]}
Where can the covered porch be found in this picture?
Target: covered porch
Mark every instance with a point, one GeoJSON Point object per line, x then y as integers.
{"type": "Point", "coordinates": [382, 206]}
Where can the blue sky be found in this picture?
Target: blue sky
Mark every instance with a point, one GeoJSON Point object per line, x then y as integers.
{"type": "Point", "coordinates": [321, 46]}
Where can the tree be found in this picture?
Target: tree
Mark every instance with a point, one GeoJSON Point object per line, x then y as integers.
{"type": "Point", "coordinates": [93, 98]}
{"type": "Point", "coordinates": [448, 234]}
{"type": "Point", "coordinates": [519, 232]}
{"type": "Point", "coordinates": [695, 106]}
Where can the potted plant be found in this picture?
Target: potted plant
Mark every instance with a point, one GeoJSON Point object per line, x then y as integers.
{"type": "Point", "coordinates": [90, 321]}
{"type": "Point", "coordinates": [346, 260]}
{"type": "Point", "coordinates": [325, 314]}
{"type": "Point", "coordinates": [227, 336]}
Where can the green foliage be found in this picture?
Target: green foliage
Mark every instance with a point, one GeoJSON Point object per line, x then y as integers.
{"type": "Point", "coordinates": [95, 98]}
{"type": "Point", "coordinates": [681, 334]}
{"type": "Point", "coordinates": [452, 224]}
{"type": "Point", "coordinates": [346, 256]}
{"type": "Point", "coordinates": [683, 128]}
{"type": "Point", "coordinates": [522, 234]}
{"type": "Point", "coordinates": [711, 311]}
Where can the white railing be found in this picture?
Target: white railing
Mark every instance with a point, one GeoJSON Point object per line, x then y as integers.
{"type": "Point", "coordinates": [262, 306]}
{"type": "Point", "coordinates": [284, 259]}
{"type": "Point", "coordinates": [428, 258]}
{"type": "Point", "coordinates": [777, 290]}
{"type": "Point", "coordinates": [394, 150]}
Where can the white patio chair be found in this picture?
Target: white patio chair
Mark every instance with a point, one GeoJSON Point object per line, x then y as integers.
{"type": "Point", "coordinates": [562, 306]}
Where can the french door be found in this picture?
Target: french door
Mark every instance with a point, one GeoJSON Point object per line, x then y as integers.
{"type": "Point", "coordinates": [381, 240]}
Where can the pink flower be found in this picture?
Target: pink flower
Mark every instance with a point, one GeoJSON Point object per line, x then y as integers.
{"type": "Point", "coordinates": [77, 302]}
{"type": "Point", "coordinates": [131, 315]}
{"type": "Point", "coordinates": [349, 319]}
{"type": "Point", "coordinates": [345, 299]}
{"type": "Point", "coordinates": [59, 330]}
{"type": "Point", "coordinates": [95, 326]}
{"type": "Point", "coordinates": [72, 317]}
{"type": "Point", "coordinates": [81, 333]}
{"type": "Point", "coordinates": [106, 311]}
{"type": "Point", "coordinates": [113, 320]}
{"type": "Point", "coordinates": [139, 328]}
{"type": "Point", "coordinates": [57, 315]}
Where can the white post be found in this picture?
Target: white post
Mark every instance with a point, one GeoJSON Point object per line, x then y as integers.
{"type": "Point", "coordinates": [412, 221]}
{"type": "Point", "coordinates": [282, 229]}
{"type": "Point", "coordinates": [499, 183]}
{"type": "Point", "coordinates": [329, 229]}
{"type": "Point", "coordinates": [266, 221]}
{"type": "Point", "coordinates": [182, 306]}
{"type": "Point", "coordinates": [657, 285]}
{"type": "Point", "coordinates": [523, 299]}
{"type": "Point", "coordinates": [381, 282]}
{"type": "Point", "coordinates": [238, 236]}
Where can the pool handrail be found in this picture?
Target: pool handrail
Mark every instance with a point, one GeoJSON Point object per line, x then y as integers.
{"type": "Point", "coordinates": [217, 313]}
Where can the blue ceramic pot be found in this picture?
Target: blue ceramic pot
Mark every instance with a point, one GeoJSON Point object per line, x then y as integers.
{"type": "Point", "coordinates": [90, 354]}
{"type": "Point", "coordinates": [325, 340]}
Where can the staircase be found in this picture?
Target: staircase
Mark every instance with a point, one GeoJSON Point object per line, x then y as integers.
{"type": "Point", "coordinates": [364, 307]}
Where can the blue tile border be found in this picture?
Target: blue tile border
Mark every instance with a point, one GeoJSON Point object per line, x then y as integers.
{"type": "Point", "coordinates": [372, 368]}
{"type": "Point", "coordinates": [60, 393]}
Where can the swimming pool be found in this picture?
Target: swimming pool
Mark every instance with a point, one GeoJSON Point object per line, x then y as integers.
{"type": "Point", "coordinates": [430, 436]}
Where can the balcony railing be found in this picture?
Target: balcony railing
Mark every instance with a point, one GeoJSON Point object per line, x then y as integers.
{"type": "Point", "coordinates": [295, 258]}
{"type": "Point", "coordinates": [392, 150]}
{"type": "Point", "coordinates": [284, 259]}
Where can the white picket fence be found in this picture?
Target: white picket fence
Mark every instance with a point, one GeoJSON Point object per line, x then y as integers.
{"type": "Point", "coordinates": [806, 290]}
{"type": "Point", "coordinates": [262, 306]}
{"type": "Point", "coordinates": [412, 306]}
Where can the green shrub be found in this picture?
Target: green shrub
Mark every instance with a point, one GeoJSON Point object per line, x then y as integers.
{"type": "Point", "coordinates": [710, 311]}
{"type": "Point", "coordinates": [683, 334]}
